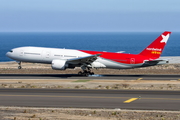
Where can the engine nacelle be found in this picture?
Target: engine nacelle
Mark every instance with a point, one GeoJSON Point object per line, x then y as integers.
{"type": "Point", "coordinates": [59, 64]}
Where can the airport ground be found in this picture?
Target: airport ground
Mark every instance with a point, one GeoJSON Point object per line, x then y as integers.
{"type": "Point", "coordinates": [35, 75]}
{"type": "Point", "coordinates": [35, 113]}
{"type": "Point", "coordinates": [35, 68]}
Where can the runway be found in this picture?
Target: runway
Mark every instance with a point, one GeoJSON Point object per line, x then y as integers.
{"type": "Point", "coordinates": [76, 98]}
{"type": "Point", "coordinates": [103, 77]}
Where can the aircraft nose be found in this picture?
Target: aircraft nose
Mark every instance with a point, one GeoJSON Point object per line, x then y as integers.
{"type": "Point", "coordinates": [8, 54]}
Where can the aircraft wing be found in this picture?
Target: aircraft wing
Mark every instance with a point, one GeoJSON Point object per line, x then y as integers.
{"type": "Point", "coordinates": [83, 60]}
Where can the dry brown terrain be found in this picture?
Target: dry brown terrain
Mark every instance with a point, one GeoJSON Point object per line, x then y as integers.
{"type": "Point", "coordinates": [90, 84]}
{"type": "Point", "coordinates": [29, 113]}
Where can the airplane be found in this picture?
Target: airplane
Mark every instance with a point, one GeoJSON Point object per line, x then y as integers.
{"type": "Point", "coordinates": [61, 59]}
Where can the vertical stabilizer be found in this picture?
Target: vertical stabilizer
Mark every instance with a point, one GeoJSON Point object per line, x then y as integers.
{"type": "Point", "coordinates": [154, 50]}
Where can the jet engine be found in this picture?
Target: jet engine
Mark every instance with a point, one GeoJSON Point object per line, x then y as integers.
{"type": "Point", "coordinates": [59, 64]}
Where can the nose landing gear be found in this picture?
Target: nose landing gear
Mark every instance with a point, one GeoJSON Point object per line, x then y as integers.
{"type": "Point", "coordinates": [19, 67]}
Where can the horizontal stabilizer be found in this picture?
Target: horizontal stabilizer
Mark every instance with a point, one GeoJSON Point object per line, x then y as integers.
{"type": "Point", "coordinates": [155, 62]}
{"type": "Point", "coordinates": [120, 52]}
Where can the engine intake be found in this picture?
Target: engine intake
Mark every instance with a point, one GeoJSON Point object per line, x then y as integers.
{"type": "Point", "coordinates": [59, 64]}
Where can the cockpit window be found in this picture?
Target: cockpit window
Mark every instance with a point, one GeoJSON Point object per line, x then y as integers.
{"type": "Point", "coordinates": [11, 51]}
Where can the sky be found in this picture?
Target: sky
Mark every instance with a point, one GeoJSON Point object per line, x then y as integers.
{"type": "Point", "coordinates": [89, 15]}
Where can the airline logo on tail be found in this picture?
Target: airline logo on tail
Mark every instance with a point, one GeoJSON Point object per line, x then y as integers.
{"type": "Point", "coordinates": [165, 38]}
{"type": "Point", "coordinates": [155, 50]}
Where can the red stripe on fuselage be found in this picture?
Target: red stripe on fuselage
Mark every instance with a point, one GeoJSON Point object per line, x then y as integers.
{"type": "Point", "coordinates": [119, 57]}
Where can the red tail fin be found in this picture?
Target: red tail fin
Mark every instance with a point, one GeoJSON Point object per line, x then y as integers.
{"type": "Point", "coordinates": [155, 49]}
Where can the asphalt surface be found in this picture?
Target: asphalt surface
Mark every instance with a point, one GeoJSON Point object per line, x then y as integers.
{"type": "Point", "coordinates": [75, 76]}
{"type": "Point", "coordinates": [76, 98]}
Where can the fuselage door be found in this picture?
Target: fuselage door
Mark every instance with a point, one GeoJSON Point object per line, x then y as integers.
{"type": "Point", "coordinates": [46, 55]}
{"type": "Point", "coordinates": [21, 53]}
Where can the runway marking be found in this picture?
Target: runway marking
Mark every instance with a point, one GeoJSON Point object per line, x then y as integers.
{"type": "Point", "coordinates": [139, 78]}
{"type": "Point", "coordinates": [130, 100]}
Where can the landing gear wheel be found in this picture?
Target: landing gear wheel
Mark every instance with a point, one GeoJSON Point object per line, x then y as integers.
{"type": "Point", "coordinates": [80, 73]}
{"type": "Point", "coordinates": [19, 67]}
{"type": "Point", "coordinates": [91, 73]}
{"type": "Point", "coordinates": [86, 74]}
{"type": "Point", "coordinates": [86, 71]}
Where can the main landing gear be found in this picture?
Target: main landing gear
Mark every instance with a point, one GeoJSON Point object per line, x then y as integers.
{"type": "Point", "coordinates": [85, 73]}
{"type": "Point", "coordinates": [19, 67]}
